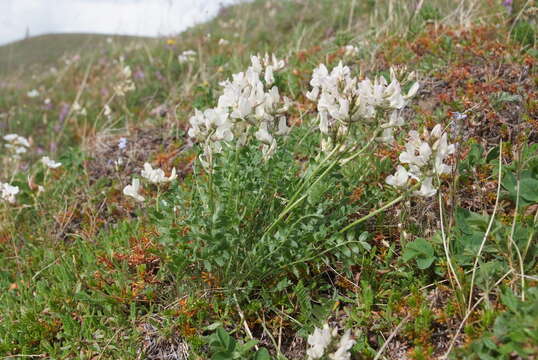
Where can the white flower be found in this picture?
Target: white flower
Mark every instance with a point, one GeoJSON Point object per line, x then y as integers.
{"type": "Point", "coordinates": [350, 50]}
{"type": "Point", "coordinates": [8, 192]}
{"type": "Point", "coordinates": [283, 128]}
{"type": "Point", "coordinates": [263, 135]}
{"type": "Point", "coordinates": [156, 176]}
{"type": "Point", "coordinates": [223, 42]}
{"type": "Point", "coordinates": [275, 63]}
{"type": "Point", "coordinates": [32, 93]}
{"type": "Point", "coordinates": [256, 64]}
{"type": "Point", "coordinates": [424, 160]}
{"type": "Point", "coordinates": [319, 341]}
{"type": "Point", "coordinates": [77, 109]}
{"type": "Point", "coordinates": [16, 144]}
{"type": "Point", "coordinates": [387, 136]}
{"type": "Point", "coordinates": [133, 190]}
{"type": "Point", "coordinates": [399, 179]}
{"type": "Point", "coordinates": [394, 120]}
{"type": "Point", "coordinates": [345, 344]}
{"type": "Point", "coordinates": [127, 71]}
{"type": "Point", "coordinates": [186, 56]}
{"type": "Point", "coordinates": [189, 53]}
{"type": "Point", "coordinates": [437, 131]}
{"type": "Point", "coordinates": [269, 77]}
{"type": "Point", "coordinates": [426, 188]}
{"type": "Point", "coordinates": [412, 91]}
{"type": "Point", "coordinates": [51, 164]}
{"type": "Point", "coordinates": [107, 111]}
{"type": "Point", "coordinates": [417, 152]}
{"type": "Point", "coordinates": [249, 105]}
{"type": "Point", "coordinates": [342, 99]}
{"type": "Point", "coordinates": [15, 139]}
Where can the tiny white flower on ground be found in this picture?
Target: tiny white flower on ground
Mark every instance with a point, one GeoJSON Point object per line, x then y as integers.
{"type": "Point", "coordinates": [32, 93]}
{"type": "Point", "coordinates": [156, 176]}
{"type": "Point", "coordinates": [133, 190]}
{"type": "Point", "coordinates": [8, 192]}
{"type": "Point", "coordinates": [186, 56]}
{"type": "Point", "coordinates": [16, 144]}
{"type": "Point", "coordinates": [16, 140]}
{"type": "Point", "coordinates": [51, 164]}
{"type": "Point", "coordinates": [107, 111]}
{"type": "Point", "coordinates": [351, 50]}
{"type": "Point", "coordinates": [122, 144]}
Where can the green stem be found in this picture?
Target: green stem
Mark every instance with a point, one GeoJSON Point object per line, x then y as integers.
{"type": "Point", "coordinates": [375, 212]}
{"type": "Point", "coordinates": [294, 202]}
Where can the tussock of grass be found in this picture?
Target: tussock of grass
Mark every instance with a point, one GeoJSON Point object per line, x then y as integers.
{"type": "Point", "coordinates": [212, 261]}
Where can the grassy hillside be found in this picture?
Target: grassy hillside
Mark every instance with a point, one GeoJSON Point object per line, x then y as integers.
{"type": "Point", "coordinates": [368, 193]}
{"type": "Point", "coordinates": [46, 50]}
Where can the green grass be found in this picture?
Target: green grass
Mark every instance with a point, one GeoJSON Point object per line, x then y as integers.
{"type": "Point", "coordinates": [245, 261]}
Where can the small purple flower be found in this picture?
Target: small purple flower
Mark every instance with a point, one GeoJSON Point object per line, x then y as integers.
{"type": "Point", "coordinates": [159, 76]}
{"type": "Point", "coordinates": [459, 116]}
{"type": "Point", "coordinates": [508, 5]}
{"type": "Point", "coordinates": [139, 74]}
{"type": "Point", "coordinates": [63, 112]}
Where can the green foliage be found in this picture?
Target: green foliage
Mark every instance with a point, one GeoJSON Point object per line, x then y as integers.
{"type": "Point", "coordinates": [224, 347]}
{"type": "Point", "coordinates": [514, 332]}
{"type": "Point", "coordinates": [421, 251]}
{"type": "Point", "coordinates": [77, 281]}
{"type": "Point", "coordinates": [429, 12]}
{"type": "Point", "coordinates": [524, 33]}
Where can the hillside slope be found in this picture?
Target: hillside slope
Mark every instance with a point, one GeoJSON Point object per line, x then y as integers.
{"type": "Point", "coordinates": [368, 192]}
{"type": "Point", "coordinates": [46, 50]}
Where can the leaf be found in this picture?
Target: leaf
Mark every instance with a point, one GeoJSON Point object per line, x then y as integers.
{"type": "Point", "coordinates": [509, 299]}
{"type": "Point", "coordinates": [262, 354]}
{"type": "Point", "coordinates": [224, 338]}
{"type": "Point", "coordinates": [282, 284]}
{"type": "Point", "coordinates": [528, 188]}
{"type": "Point", "coordinates": [420, 250]}
{"type": "Point", "coordinates": [222, 356]}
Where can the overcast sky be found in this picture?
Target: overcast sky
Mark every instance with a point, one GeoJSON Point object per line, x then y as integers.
{"type": "Point", "coordinates": [125, 17]}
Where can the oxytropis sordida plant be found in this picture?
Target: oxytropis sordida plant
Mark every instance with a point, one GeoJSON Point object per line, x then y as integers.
{"type": "Point", "coordinates": [250, 106]}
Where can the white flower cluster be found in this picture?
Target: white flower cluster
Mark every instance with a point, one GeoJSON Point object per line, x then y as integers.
{"type": "Point", "coordinates": [323, 339]}
{"type": "Point", "coordinates": [51, 164]}
{"type": "Point", "coordinates": [351, 51]}
{"type": "Point", "coordinates": [133, 190]}
{"type": "Point", "coordinates": [425, 158]}
{"type": "Point", "coordinates": [77, 109]}
{"type": "Point", "coordinates": [8, 192]}
{"type": "Point", "coordinates": [126, 83]}
{"type": "Point", "coordinates": [32, 93]}
{"type": "Point", "coordinates": [16, 144]}
{"type": "Point", "coordinates": [224, 42]}
{"type": "Point", "coordinates": [342, 100]}
{"type": "Point", "coordinates": [249, 104]}
{"type": "Point", "coordinates": [154, 176]}
{"type": "Point", "coordinates": [186, 56]}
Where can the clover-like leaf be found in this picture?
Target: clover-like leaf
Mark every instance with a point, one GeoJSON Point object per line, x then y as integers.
{"type": "Point", "coordinates": [420, 250]}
